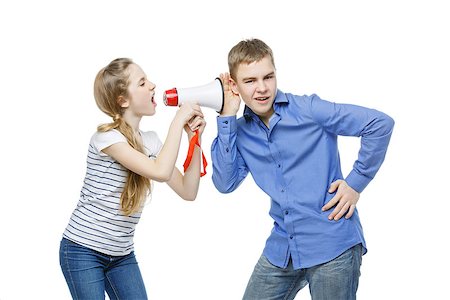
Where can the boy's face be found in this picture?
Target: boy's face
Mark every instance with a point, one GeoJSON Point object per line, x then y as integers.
{"type": "Point", "coordinates": [257, 85]}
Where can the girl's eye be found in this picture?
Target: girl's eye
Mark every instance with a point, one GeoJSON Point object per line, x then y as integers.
{"type": "Point", "coordinates": [142, 83]}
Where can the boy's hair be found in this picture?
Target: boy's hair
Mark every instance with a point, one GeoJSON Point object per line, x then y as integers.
{"type": "Point", "coordinates": [111, 83]}
{"type": "Point", "coordinates": [247, 51]}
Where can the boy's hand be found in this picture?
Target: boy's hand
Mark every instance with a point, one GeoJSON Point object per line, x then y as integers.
{"type": "Point", "coordinates": [232, 101]}
{"type": "Point", "coordinates": [345, 200]}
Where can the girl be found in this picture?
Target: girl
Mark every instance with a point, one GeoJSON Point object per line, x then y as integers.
{"type": "Point", "coordinates": [96, 251]}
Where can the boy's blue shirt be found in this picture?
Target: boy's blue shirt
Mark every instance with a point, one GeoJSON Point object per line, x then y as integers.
{"type": "Point", "coordinates": [294, 161]}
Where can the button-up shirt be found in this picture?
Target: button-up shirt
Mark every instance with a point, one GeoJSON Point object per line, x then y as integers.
{"type": "Point", "coordinates": [294, 160]}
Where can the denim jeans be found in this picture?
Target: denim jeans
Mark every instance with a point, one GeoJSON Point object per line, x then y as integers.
{"type": "Point", "coordinates": [90, 273]}
{"type": "Point", "coordinates": [335, 280]}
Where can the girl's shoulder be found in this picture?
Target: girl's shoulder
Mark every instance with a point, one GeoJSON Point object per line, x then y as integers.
{"type": "Point", "coordinates": [102, 140]}
{"type": "Point", "coordinates": [112, 134]}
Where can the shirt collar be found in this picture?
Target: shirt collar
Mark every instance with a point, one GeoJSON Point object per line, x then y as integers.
{"type": "Point", "coordinates": [279, 98]}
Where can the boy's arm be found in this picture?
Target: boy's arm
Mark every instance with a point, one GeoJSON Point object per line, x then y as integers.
{"type": "Point", "coordinates": [372, 126]}
{"type": "Point", "coordinates": [375, 130]}
{"type": "Point", "coordinates": [229, 169]}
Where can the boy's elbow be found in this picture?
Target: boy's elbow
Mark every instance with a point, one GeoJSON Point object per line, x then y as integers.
{"type": "Point", "coordinates": [381, 125]}
{"type": "Point", "coordinates": [388, 124]}
{"type": "Point", "coordinates": [389, 121]}
{"type": "Point", "coordinates": [222, 188]}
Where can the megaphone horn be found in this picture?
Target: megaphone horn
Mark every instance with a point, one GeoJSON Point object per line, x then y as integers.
{"type": "Point", "coordinates": [208, 95]}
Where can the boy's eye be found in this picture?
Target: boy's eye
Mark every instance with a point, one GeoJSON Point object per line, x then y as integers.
{"type": "Point", "coordinates": [142, 83]}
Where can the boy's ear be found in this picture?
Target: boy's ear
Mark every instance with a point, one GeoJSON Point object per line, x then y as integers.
{"type": "Point", "coordinates": [233, 86]}
{"type": "Point", "coordinates": [123, 102]}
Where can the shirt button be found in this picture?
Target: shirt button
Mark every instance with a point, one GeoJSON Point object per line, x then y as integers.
{"type": "Point", "coordinates": [227, 149]}
{"type": "Point", "coordinates": [279, 166]}
{"type": "Point", "coordinates": [291, 237]}
{"type": "Point", "coordinates": [226, 122]}
{"type": "Point", "coordinates": [282, 190]}
{"type": "Point", "coordinates": [286, 212]}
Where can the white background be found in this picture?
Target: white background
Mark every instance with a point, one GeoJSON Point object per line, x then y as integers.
{"type": "Point", "coordinates": [390, 55]}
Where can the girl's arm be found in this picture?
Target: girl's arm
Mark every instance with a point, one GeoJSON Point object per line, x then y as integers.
{"type": "Point", "coordinates": [161, 168]}
{"type": "Point", "coordinates": [187, 186]}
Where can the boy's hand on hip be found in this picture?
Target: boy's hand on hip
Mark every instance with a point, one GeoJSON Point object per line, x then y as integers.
{"type": "Point", "coordinates": [345, 200]}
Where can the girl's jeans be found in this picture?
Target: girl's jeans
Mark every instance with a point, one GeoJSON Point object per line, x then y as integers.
{"type": "Point", "coordinates": [90, 273]}
{"type": "Point", "coordinates": [335, 280]}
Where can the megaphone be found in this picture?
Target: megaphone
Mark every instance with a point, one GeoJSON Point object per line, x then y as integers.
{"type": "Point", "coordinates": [208, 95]}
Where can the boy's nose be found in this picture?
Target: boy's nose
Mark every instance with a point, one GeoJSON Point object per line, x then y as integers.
{"type": "Point", "coordinates": [261, 86]}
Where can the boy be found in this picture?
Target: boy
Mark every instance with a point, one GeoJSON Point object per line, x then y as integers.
{"type": "Point", "coordinates": [289, 145]}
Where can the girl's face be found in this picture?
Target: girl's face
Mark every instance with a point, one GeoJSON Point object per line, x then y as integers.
{"type": "Point", "coordinates": [257, 85]}
{"type": "Point", "coordinates": [141, 93]}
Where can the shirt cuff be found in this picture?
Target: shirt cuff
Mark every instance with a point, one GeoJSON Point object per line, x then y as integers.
{"type": "Point", "coordinates": [226, 125]}
{"type": "Point", "coordinates": [357, 181]}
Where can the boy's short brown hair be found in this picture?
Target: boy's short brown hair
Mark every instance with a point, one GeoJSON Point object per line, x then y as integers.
{"type": "Point", "coordinates": [247, 51]}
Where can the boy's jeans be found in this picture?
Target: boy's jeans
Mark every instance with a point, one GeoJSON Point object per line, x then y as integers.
{"type": "Point", "coordinates": [335, 280]}
{"type": "Point", "coordinates": [90, 273]}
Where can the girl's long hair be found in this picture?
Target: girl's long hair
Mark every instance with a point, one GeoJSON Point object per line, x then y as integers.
{"type": "Point", "coordinates": [110, 83]}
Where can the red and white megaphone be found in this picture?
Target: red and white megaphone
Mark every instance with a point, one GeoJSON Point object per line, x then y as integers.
{"type": "Point", "coordinates": [208, 95]}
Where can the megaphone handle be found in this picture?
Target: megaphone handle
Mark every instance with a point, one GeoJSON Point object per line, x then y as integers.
{"type": "Point", "coordinates": [187, 162]}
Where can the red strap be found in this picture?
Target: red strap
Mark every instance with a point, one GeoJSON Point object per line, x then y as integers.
{"type": "Point", "coordinates": [192, 143]}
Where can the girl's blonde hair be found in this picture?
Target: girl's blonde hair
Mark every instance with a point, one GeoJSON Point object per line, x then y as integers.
{"type": "Point", "coordinates": [248, 51]}
{"type": "Point", "coordinates": [110, 84]}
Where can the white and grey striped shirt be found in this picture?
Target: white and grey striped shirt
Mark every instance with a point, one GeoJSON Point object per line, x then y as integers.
{"type": "Point", "coordinates": [97, 222]}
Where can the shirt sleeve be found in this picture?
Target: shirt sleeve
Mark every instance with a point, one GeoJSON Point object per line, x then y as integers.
{"type": "Point", "coordinates": [229, 168]}
{"type": "Point", "coordinates": [372, 126]}
{"type": "Point", "coordinates": [152, 143]}
{"type": "Point", "coordinates": [102, 140]}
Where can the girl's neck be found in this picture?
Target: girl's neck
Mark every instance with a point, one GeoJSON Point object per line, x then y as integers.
{"type": "Point", "coordinates": [133, 121]}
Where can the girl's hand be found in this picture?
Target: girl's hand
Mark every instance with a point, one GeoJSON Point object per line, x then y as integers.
{"type": "Point", "coordinates": [196, 123]}
{"type": "Point", "coordinates": [232, 100]}
{"type": "Point", "coordinates": [188, 112]}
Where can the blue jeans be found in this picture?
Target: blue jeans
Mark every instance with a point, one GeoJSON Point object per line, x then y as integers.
{"type": "Point", "coordinates": [90, 273]}
{"type": "Point", "coordinates": [335, 280]}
